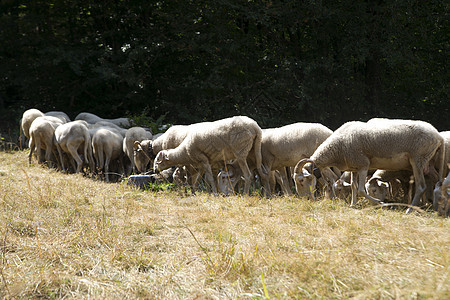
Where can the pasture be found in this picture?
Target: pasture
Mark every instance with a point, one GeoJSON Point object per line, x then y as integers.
{"type": "Point", "coordinates": [69, 236]}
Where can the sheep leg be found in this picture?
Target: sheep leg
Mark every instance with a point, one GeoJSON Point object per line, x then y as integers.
{"type": "Point", "coordinates": [329, 178]}
{"type": "Point", "coordinates": [210, 177]}
{"type": "Point", "coordinates": [74, 153]}
{"type": "Point", "coordinates": [61, 157]}
{"type": "Point", "coordinates": [107, 162]}
{"type": "Point", "coordinates": [284, 182]}
{"type": "Point", "coordinates": [272, 180]}
{"type": "Point", "coordinates": [419, 181]}
{"type": "Point", "coordinates": [246, 173]}
{"type": "Point", "coordinates": [353, 178]}
{"type": "Point", "coordinates": [48, 155]}
{"type": "Point", "coordinates": [31, 146]}
{"type": "Point", "coordinates": [39, 151]}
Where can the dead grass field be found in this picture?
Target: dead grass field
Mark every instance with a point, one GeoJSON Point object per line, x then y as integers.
{"type": "Point", "coordinates": [67, 236]}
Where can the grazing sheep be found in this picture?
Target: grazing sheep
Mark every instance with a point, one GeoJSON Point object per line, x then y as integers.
{"type": "Point", "coordinates": [72, 138]}
{"type": "Point", "coordinates": [342, 187]}
{"type": "Point", "coordinates": [27, 118]}
{"type": "Point", "coordinates": [380, 144]}
{"type": "Point", "coordinates": [107, 146]}
{"type": "Point", "coordinates": [383, 182]}
{"type": "Point", "coordinates": [42, 132]}
{"type": "Point", "coordinates": [145, 151]}
{"type": "Point", "coordinates": [284, 146]}
{"type": "Point", "coordinates": [92, 119]}
{"type": "Point", "coordinates": [142, 155]}
{"type": "Point", "coordinates": [385, 185]}
{"type": "Point", "coordinates": [216, 142]}
{"type": "Point", "coordinates": [134, 134]}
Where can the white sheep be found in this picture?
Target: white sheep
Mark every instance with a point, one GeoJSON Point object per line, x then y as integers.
{"type": "Point", "coordinates": [386, 185]}
{"type": "Point", "coordinates": [107, 146]}
{"type": "Point", "coordinates": [27, 118]}
{"type": "Point", "coordinates": [134, 134]}
{"type": "Point", "coordinates": [72, 138]}
{"type": "Point", "coordinates": [380, 144]}
{"type": "Point", "coordinates": [216, 142]}
{"type": "Point", "coordinates": [42, 132]}
{"type": "Point", "coordinates": [383, 182]}
{"type": "Point", "coordinates": [145, 151]}
{"type": "Point", "coordinates": [342, 187]}
{"type": "Point", "coordinates": [284, 146]}
{"type": "Point", "coordinates": [92, 119]}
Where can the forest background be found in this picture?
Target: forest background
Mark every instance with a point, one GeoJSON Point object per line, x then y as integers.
{"type": "Point", "coordinates": [185, 61]}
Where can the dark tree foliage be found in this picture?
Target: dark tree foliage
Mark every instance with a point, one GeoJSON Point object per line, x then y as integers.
{"type": "Point", "coordinates": [276, 61]}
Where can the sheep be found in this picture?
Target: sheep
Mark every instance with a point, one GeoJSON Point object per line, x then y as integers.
{"type": "Point", "coordinates": [380, 144]}
{"type": "Point", "coordinates": [59, 114]}
{"type": "Point", "coordinates": [171, 139]}
{"type": "Point", "coordinates": [27, 118]}
{"type": "Point", "coordinates": [92, 119]}
{"type": "Point", "coordinates": [284, 146]}
{"type": "Point", "coordinates": [342, 186]}
{"type": "Point", "coordinates": [132, 135]}
{"type": "Point", "coordinates": [107, 146]}
{"type": "Point", "coordinates": [385, 185]}
{"type": "Point", "coordinates": [213, 142]}
{"type": "Point", "coordinates": [41, 132]}
{"type": "Point", "coordinates": [71, 138]}
{"type": "Point", "coordinates": [441, 196]}
{"type": "Point", "coordinates": [381, 183]}
{"type": "Point", "coordinates": [145, 151]}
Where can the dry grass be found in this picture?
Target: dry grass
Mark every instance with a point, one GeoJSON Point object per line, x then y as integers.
{"type": "Point", "coordinates": [66, 236]}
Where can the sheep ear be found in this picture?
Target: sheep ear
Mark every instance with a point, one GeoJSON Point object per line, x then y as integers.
{"type": "Point", "coordinates": [136, 145]}
{"type": "Point", "coordinates": [163, 155]}
{"type": "Point", "coordinates": [382, 183]}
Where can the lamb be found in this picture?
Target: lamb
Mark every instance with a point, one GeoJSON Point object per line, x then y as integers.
{"type": "Point", "coordinates": [213, 142]}
{"type": "Point", "coordinates": [41, 132]}
{"type": "Point", "coordinates": [132, 135]}
{"type": "Point", "coordinates": [71, 138]}
{"type": "Point", "coordinates": [380, 144]}
{"type": "Point", "coordinates": [92, 119]}
{"type": "Point", "coordinates": [107, 147]}
{"type": "Point", "coordinates": [284, 146]}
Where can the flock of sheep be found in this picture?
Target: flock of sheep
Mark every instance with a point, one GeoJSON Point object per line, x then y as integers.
{"type": "Point", "coordinates": [234, 151]}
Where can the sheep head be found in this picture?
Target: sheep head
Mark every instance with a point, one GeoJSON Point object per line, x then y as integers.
{"type": "Point", "coordinates": [162, 161]}
{"type": "Point", "coordinates": [227, 180]}
{"type": "Point", "coordinates": [378, 189]}
{"type": "Point", "coordinates": [341, 188]}
{"type": "Point", "coordinates": [305, 181]}
{"type": "Point", "coordinates": [142, 154]}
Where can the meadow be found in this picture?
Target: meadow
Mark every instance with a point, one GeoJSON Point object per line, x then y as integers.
{"type": "Point", "coordinates": [71, 236]}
